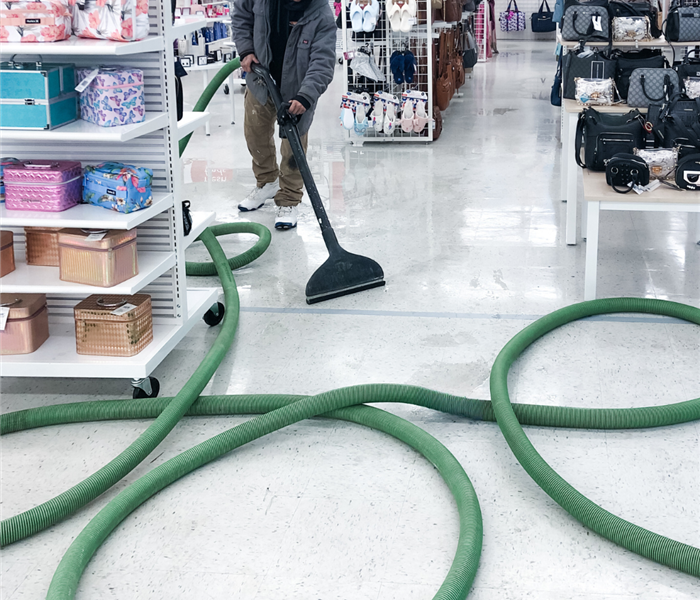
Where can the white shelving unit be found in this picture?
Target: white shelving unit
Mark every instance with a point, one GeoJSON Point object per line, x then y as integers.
{"type": "Point", "coordinates": [160, 240]}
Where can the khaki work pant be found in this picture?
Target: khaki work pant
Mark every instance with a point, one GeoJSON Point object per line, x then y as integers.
{"type": "Point", "coordinates": [259, 131]}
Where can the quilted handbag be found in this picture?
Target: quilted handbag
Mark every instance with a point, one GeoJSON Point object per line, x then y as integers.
{"type": "Point", "coordinates": [628, 61]}
{"type": "Point", "coordinates": [541, 21]}
{"type": "Point", "coordinates": [592, 66]}
{"type": "Point", "coordinates": [35, 21]}
{"type": "Point", "coordinates": [652, 85]}
{"type": "Point", "coordinates": [512, 20]}
{"type": "Point", "coordinates": [590, 23]}
{"type": "Point", "coordinates": [683, 24]}
{"type": "Point", "coordinates": [603, 135]}
{"type": "Point", "coordinates": [119, 20]}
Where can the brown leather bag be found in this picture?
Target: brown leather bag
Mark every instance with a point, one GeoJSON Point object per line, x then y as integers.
{"type": "Point", "coordinates": [457, 63]}
{"type": "Point", "coordinates": [444, 84]}
{"type": "Point", "coordinates": [437, 117]}
{"type": "Point", "coordinates": [452, 10]}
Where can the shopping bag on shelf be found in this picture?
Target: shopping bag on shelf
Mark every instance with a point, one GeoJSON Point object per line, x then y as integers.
{"type": "Point", "coordinates": [512, 20]}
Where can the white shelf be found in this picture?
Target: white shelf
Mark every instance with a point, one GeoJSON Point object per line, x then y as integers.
{"type": "Point", "coordinates": [191, 121]}
{"type": "Point", "coordinates": [200, 221]}
{"type": "Point", "coordinates": [184, 25]}
{"type": "Point", "coordinates": [57, 356]}
{"type": "Point", "coordinates": [30, 279]}
{"type": "Point", "coordinates": [85, 216]}
{"type": "Point", "coordinates": [75, 46]}
{"type": "Point", "coordinates": [82, 131]}
{"type": "Point", "coordinates": [210, 67]}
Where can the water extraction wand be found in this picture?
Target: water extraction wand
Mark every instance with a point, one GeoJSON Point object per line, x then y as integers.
{"type": "Point", "coordinates": [343, 272]}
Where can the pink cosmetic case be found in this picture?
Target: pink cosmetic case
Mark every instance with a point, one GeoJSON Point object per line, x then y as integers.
{"type": "Point", "coordinates": [44, 185]}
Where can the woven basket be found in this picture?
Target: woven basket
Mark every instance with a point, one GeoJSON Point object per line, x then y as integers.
{"type": "Point", "coordinates": [101, 332]}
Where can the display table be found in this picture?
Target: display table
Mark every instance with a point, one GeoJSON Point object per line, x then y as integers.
{"type": "Point", "coordinates": [569, 169]}
{"type": "Point", "coordinates": [599, 196]}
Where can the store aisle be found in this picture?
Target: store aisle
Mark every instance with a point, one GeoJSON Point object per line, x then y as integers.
{"type": "Point", "coordinates": [469, 231]}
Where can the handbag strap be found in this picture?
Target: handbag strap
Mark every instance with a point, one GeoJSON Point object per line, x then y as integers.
{"type": "Point", "coordinates": [579, 138]}
{"type": "Point", "coordinates": [664, 95]}
{"type": "Point", "coordinates": [544, 4]}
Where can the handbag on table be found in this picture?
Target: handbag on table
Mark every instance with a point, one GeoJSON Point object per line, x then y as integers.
{"type": "Point", "coordinates": [624, 169]}
{"type": "Point", "coordinates": [683, 24]}
{"type": "Point", "coordinates": [602, 135]}
{"type": "Point", "coordinates": [636, 8]}
{"type": "Point", "coordinates": [600, 92]}
{"type": "Point", "coordinates": [648, 86]}
{"type": "Point", "coordinates": [512, 20]}
{"type": "Point", "coordinates": [688, 173]}
{"type": "Point", "coordinates": [662, 161]}
{"type": "Point", "coordinates": [631, 29]}
{"type": "Point", "coordinates": [628, 61]}
{"type": "Point", "coordinates": [676, 125]}
{"type": "Point", "coordinates": [585, 22]}
{"type": "Point", "coordinates": [541, 21]}
{"type": "Point", "coordinates": [587, 64]}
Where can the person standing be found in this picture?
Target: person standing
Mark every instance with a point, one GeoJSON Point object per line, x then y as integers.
{"type": "Point", "coordinates": [295, 40]}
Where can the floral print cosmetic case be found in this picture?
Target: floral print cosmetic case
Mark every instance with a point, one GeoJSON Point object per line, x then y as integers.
{"type": "Point", "coordinates": [119, 187]}
{"type": "Point", "coordinates": [113, 96]}
{"type": "Point", "coordinates": [35, 20]}
{"type": "Point", "coordinates": [119, 20]}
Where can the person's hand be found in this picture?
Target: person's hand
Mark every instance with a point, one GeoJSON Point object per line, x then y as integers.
{"type": "Point", "coordinates": [296, 108]}
{"type": "Point", "coordinates": [248, 61]}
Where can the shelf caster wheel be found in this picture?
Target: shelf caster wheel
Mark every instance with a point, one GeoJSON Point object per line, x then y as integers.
{"type": "Point", "coordinates": [214, 315]}
{"type": "Point", "coordinates": [226, 89]}
{"type": "Point", "coordinates": [145, 388]}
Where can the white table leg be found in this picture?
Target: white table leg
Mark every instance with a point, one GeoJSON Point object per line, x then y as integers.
{"type": "Point", "coordinates": [591, 273]}
{"type": "Point", "coordinates": [233, 99]}
{"type": "Point", "coordinates": [571, 180]}
{"type": "Point", "coordinates": [205, 81]}
{"type": "Point", "coordinates": [563, 165]}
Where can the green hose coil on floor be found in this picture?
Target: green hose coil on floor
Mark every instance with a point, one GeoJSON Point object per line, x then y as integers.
{"type": "Point", "coordinates": [282, 410]}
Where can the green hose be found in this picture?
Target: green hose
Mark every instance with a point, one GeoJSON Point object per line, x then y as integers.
{"type": "Point", "coordinates": [209, 92]}
{"type": "Point", "coordinates": [283, 410]}
{"type": "Point", "coordinates": [52, 511]}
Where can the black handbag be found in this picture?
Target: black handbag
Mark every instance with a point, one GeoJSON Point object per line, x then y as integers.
{"type": "Point", "coordinates": [636, 8]}
{"type": "Point", "coordinates": [592, 66]}
{"type": "Point", "coordinates": [688, 173]}
{"type": "Point", "coordinates": [688, 67]}
{"type": "Point", "coordinates": [555, 94]}
{"type": "Point", "coordinates": [603, 135]}
{"type": "Point", "coordinates": [635, 59]}
{"type": "Point", "coordinates": [676, 124]}
{"type": "Point", "coordinates": [623, 169]}
{"type": "Point", "coordinates": [541, 21]}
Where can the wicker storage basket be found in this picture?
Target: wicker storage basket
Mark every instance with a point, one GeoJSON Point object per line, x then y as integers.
{"type": "Point", "coordinates": [42, 245]}
{"type": "Point", "coordinates": [27, 325]}
{"type": "Point", "coordinates": [103, 262]}
{"type": "Point", "coordinates": [7, 253]}
{"type": "Point", "coordinates": [113, 325]}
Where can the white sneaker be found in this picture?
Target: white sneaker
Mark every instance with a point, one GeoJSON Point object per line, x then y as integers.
{"type": "Point", "coordinates": [259, 196]}
{"type": "Point", "coordinates": [286, 217]}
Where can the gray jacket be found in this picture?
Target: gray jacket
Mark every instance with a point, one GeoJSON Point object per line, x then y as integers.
{"type": "Point", "coordinates": [309, 59]}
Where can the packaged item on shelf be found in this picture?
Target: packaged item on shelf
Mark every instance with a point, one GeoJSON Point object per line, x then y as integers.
{"type": "Point", "coordinates": [116, 186]}
{"type": "Point", "coordinates": [595, 91]}
{"type": "Point", "coordinates": [41, 246]}
{"type": "Point", "coordinates": [36, 95]}
{"type": "Point", "coordinates": [385, 113]}
{"type": "Point", "coordinates": [35, 21]}
{"type": "Point", "coordinates": [662, 161]}
{"type": "Point", "coordinates": [113, 325]}
{"type": "Point", "coordinates": [97, 257]}
{"type": "Point", "coordinates": [43, 185]}
{"type": "Point", "coordinates": [111, 96]}
{"type": "Point", "coordinates": [631, 29]}
{"type": "Point", "coordinates": [691, 85]}
{"type": "Point", "coordinates": [7, 253]}
{"type": "Point", "coordinates": [3, 163]}
{"type": "Point", "coordinates": [119, 20]}
{"type": "Point", "coordinates": [27, 325]}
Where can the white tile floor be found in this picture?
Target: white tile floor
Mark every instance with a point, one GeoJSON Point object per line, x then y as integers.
{"type": "Point", "coordinates": [469, 231]}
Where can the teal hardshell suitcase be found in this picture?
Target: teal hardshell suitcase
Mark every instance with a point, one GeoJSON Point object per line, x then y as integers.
{"type": "Point", "coordinates": [37, 95]}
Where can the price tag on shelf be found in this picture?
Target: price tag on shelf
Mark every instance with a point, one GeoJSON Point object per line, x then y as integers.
{"type": "Point", "coordinates": [4, 313]}
{"type": "Point", "coordinates": [96, 237]}
{"type": "Point", "coordinates": [122, 310]}
{"type": "Point", "coordinates": [349, 55]}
